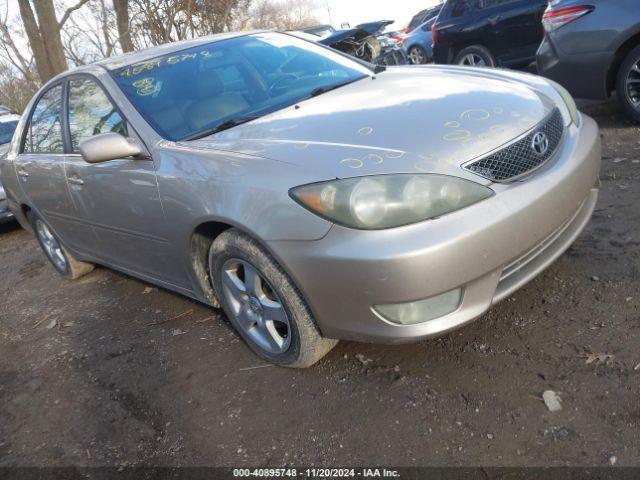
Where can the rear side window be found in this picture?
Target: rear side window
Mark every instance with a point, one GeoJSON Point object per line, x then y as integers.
{"type": "Point", "coordinates": [418, 20]}
{"type": "Point", "coordinates": [462, 7]}
{"type": "Point", "coordinates": [44, 134]}
{"type": "Point", "coordinates": [91, 112]}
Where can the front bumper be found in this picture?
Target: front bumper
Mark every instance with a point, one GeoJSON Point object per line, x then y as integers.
{"type": "Point", "coordinates": [489, 250]}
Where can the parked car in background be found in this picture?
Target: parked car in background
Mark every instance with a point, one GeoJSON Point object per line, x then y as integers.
{"type": "Point", "coordinates": [593, 48]}
{"type": "Point", "coordinates": [419, 44]}
{"type": "Point", "coordinates": [8, 123]}
{"type": "Point", "coordinates": [367, 42]}
{"type": "Point", "coordinates": [488, 33]}
{"type": "Point", "coordinates": [421, 18]}
{"type": "Point", "coordinates": [313, 196]}
{"type": "Point", "coordinates": [320, 30]}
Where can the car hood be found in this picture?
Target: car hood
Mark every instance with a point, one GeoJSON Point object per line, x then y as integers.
{"type": "Point", "coordinates": [406, 120]}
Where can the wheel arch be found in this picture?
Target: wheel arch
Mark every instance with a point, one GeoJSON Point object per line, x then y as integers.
{"type": "Point", "coordinates": [25, 217]}
{"type": "Point", "coordinates": [616, 63]}
{"type": "Point", "coordinates": [202, 237]}
{"type": "Point", "coordinates": [457, 48]}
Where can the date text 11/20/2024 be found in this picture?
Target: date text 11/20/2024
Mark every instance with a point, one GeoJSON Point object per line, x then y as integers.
{"type": "Point", "coordinates": [316, 473]}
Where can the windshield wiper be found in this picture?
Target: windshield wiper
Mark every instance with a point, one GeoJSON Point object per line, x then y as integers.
{"type": "Point", "coordinates": [226, 125]}
{"type": "Point", "coordinates": [320, 90]}
{"type": "Point", "coordinates": [379, 69]}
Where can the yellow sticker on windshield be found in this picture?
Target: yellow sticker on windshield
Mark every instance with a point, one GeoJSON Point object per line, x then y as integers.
{"type": "Point", "coordinates": [146, 86]}
{"type": "Point", "coordinates": [169, 60]}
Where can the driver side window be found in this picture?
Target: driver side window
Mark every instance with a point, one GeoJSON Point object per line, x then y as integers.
{"type": "Point", "coordinates": [91, 112]}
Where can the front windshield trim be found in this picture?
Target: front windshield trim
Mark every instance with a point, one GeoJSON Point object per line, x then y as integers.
{"type": "Point", "coordinates": [359, 61]}
{"type": "Point", "coordinates": [359, 70]}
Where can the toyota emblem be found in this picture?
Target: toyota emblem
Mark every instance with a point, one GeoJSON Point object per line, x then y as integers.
{"type": "Point", "coordinates": [540, 143]}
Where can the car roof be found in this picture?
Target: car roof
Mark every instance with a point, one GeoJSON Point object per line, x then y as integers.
{"type": "Point", "coordinates": [10, 117]}
{"type": "Point", "coordinates": [114, 63]}
{"type": "Point", "coordinates": [418, 19]}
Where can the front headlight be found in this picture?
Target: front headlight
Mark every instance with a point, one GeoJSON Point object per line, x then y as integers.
{"type": "Point", "coordinates": [388, 201]}
{"type": "Point", "coordinates": [568, 100]}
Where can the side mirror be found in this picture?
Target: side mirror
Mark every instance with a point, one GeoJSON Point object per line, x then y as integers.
{"type": "Point", "coordinates": [109, 146]}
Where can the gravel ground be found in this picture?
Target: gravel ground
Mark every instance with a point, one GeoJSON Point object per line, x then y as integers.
{"type": "Point", "coordinates": [111, 371]}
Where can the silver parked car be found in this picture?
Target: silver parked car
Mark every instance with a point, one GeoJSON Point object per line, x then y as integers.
{"type": "Point", "coordinates": [312, 196]}
{"type": "Point", "coordinates": [8, 124]}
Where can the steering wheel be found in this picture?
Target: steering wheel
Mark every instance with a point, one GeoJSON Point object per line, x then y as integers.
{"type": "Point", "coordinates": [281, 84]}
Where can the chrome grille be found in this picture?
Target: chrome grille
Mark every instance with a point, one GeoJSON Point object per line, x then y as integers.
{"type": "Point", "coordinates": [520, 158]}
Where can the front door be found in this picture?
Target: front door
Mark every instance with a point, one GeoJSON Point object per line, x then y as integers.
{"type": "Point", "coordinates": [40, 165]}
{"type": "Point", "coordinates": [118, 199]}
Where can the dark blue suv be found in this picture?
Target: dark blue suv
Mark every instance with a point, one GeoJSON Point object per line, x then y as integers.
{"type": "Point", "coordinates": [488, 33]}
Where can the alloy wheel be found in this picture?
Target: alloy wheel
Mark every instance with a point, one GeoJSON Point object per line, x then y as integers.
{"type": "Point", "coordinates": [473, 60]}
{"type": "Point", "coordinates": [51, 246]}
{"type": "Point", "coordinates": [256, 307]}
{"type": "Point", "coordinates": [417, 56]}
{"type": "Point", "coordinates": [632, 85]}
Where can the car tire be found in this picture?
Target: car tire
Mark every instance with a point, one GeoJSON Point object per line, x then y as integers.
{"type": "Point", "coordinates": [263, 304]}
{"type": "Point", "coordinates": [418, 56]}
{"type": "Point", "coordinates": [475, 56]}
{"type": "Point", "coordinates": [629, 93]}
{"type": "Point", "coordinates": [60, 258]}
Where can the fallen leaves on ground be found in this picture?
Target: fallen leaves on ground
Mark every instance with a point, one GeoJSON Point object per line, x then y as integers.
{"type": "Point", "coordinates": [599, 358]}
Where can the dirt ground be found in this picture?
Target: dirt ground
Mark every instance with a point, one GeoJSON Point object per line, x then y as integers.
{"type": "Point", "coordinates": [111, 371]}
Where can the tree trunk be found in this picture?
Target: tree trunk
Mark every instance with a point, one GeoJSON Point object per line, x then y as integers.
{"type": "Point", "coordinates": [122, 20]}
{"type": "Point", "coordinates": [50, 33]}
{"type": "Point", "coordinates": [45, 71]}
{"type": "Point", "coordinates": [44, 35]}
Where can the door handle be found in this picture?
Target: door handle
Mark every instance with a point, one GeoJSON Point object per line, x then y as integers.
{"type": "Point", "coordinates": [494, 20]}
{"type": "Point", "coordinates": [23, 173]}
{"type": "Point", "coordinates": [75, 180]}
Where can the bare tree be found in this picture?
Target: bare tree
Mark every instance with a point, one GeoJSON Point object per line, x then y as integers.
{"type": "Point", "coordinates": [91, 34]}
{"type": "Point", "coordinates": [15, 90]}
{"type": "Point", "coordinates": [121, 8]}
{"type": "Point", "coordinates": [44, 35]}
{"type": "Point", "coordinates": [282, 15]}
{"type": "Point", "coordinates": [154, 22]}
{"type": "Point", "coordinates": [11, 53]}
{"type": "Point", "coordinates": [221, 15]}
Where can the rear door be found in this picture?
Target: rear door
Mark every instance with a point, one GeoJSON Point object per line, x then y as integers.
{"type": "Point", "coordinates": [118, 199]}
{"type": "Point", "coordinates": [40, 164]}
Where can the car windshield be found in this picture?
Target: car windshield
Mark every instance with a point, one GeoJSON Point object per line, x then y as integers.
{"type": "Point", "coordinates": [6, 130]}
{"type": "Point", "coordinates": [189, 93]}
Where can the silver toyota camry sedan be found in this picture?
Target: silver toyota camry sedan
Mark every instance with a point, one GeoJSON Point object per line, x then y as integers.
{"type": "Point", "coordinates": [309, 195]}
